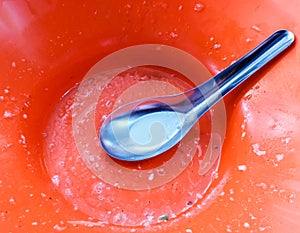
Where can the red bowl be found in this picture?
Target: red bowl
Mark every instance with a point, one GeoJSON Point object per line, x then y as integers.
{"type": "Point", "coordinates": [46, 50]}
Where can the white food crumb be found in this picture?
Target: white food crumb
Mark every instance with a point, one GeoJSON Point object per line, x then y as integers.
{"type": "Point", "coordinates": [198, 7]}
{"type": "Point", "coordinates": [7, 114]}
{"type": "Point", "coordinates": [286, 140]}
{"type": "Point", "coordinates": [55, 180]}
{"type": "Point", "coordinates": [216, 46]}
{"type": "Point", "coordinates": [59, 228]}
{"type": "Point", "coordinates": [246, 225]}
{"type": "Point", "coordinates": [256, 28]}
{"type": "Point", "coordinates": [242, 167]}
{"type": "Point", "coordinates": [257, 151]}
{"type": "Point", "coordinates": [151, 176]}
{"type": "Point", "coordinates": [279, 157]}
{"type": "Point", "coordinates": [173, 34]}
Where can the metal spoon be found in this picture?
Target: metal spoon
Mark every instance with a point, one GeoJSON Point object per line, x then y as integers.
{"type": "Point", "coordinates": [148, 127]}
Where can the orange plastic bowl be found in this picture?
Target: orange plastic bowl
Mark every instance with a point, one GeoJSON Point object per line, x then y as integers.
{"type": "Point", "coordinates": [47, 47]}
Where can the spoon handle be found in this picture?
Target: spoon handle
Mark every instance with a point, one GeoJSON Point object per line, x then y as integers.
{"type": "Point", "coordinates": [206, 95]}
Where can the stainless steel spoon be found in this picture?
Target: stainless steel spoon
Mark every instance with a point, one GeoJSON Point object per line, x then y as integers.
{"type": "Point", "coordinates": [148, 127]}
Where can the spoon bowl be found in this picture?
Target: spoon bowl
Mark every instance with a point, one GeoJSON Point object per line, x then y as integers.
{"type": "Point", "coordinates": [150, 124]}
{"type": "Point", "coordinates": [146, 128]}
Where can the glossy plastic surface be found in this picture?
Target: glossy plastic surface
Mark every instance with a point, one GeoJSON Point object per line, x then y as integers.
{"type": "Point", "coordinates": [48, 46]}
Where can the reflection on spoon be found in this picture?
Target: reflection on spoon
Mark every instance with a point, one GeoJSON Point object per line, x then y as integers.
{"type": "Point", "coordinates": [146, 128]}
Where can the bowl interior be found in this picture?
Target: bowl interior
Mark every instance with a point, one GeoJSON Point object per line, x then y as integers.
{"type": "Point", "coordinates": [47, 49]}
